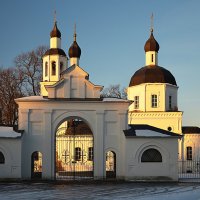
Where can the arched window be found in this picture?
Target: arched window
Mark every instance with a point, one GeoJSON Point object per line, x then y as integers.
{"type": "Point", "coordinates": [151, 155]}
{"type": "Point", "coordinates": [53, 69]}
{"type": "Point", "coordinates": [2, 158]}
{"type": "Point", "coordinates": [189, 153]}
{"type": "Point", "coordinates": [61, 67]}
{"type": "Point", "coordinates": [46, 68]}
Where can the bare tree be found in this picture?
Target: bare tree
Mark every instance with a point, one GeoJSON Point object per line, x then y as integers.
{"type": "Point", "coordinates": [114, 91]}
{"type": "Point", "coordinates": [9, 90]}
{"type": "Point", "coordinates": [29, 69]}
{"type": "Point", "coordinates": [23, 80]}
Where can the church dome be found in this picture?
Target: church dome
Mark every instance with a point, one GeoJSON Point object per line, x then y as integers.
{"type": "Point", "coordinates": [152, 74]}
{"type": "Point", "coordinates": [151, 44]}
{"type": "Point", "coordinates": [74, 50]}
{"type": "Point", "coordinates": [55, 32]}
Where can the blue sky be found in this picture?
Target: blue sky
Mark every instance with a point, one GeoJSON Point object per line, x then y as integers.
{"type": "Point", "coordinates": [112, 34]}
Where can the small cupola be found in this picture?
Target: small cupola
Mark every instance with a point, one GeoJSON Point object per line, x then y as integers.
{"type": "Point", "coordinates": [151, 44]}
{"type": "Point", "coordinates": [151, 49]}
{"type": "Point", "coordinates": [74, 51]}
{"type": "Point", "coordinates": [55, 32]}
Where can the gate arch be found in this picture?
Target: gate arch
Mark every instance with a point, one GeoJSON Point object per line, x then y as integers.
{"type": "Point", "coordinates": [36, 165]}
{"type": "Point", "coordinates": [73, 149]}
{"type": "Point", "coordinates": [110, 164]}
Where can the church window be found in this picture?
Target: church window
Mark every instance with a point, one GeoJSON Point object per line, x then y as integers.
{"type": "Point", "coordinates": [169, 128]}
{"type": "Point", "coordinates": [90, 153]}
{"type": "Point", "coordinates": [77, 153]}
{"type": "Point", "coordinates": [151, 57]}
{"type": "Point", "coordinates": [61, 67]}
{"type": "Point", "coordinates": [136, 100]}
{"type": "Point", "coordinates": [46, 68]}
{"type": "Point", "coordinates": [53, 72]}
{"type": "Point", "coordinates": [151, 155]}
{"type": "Point", "coordinates": [2, 158]}
{"type": "Point", "coordinates": [170, 102]}
{"type": "Point", "coordinates": [154, 101]}
{"type": "Point", "coordinates": [189, 153]}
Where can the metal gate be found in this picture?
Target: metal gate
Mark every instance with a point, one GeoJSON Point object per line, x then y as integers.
{"type": "Point", "coordinates": [74, 151]}
{"type": "Point", "coordinates": [189, 170]}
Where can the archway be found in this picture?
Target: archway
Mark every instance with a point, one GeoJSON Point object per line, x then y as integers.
{"type": "Point", "coordinates": [110, 164]}
{"type": "Point", "coordinates": [36, 165]}
{"type": "Point", "coordinates": [74, 150]}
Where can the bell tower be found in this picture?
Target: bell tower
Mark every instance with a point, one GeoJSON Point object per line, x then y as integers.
{"type": "Point", "coordinates": [154, 92]}
{"type": "Point", "coordinates": [54, 60]}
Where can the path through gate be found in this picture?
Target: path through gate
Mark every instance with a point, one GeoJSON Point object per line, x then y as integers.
{"type": "Point", "coordinates": [74, 151]}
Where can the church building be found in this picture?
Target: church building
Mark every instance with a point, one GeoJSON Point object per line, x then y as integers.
{"type": "Point", "coordinates": [70, 132]}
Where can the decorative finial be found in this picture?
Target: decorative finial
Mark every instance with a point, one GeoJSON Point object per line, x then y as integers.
{"type": "Point", "coordinates": [55, 16]}
{"type": "Point", "coordinates": [151, 23]}
{"type": "Point", "coordinates": [75, 32]}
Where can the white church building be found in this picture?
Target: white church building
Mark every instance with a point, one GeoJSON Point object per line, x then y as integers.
{"type": "Point", "coordinates": [70, 132]}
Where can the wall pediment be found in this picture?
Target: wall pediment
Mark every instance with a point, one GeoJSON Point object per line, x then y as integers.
{"type": "Point", "coordinates": [74, 83]}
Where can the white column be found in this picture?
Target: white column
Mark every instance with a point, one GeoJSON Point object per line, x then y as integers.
{"type": "Point", "coordinates": [121, 160]}
{"type": "Point", "coordinates": [99, 154]}
{"type": "Point", "coordinates": [48, 148]}
{"type": "Point", "coordinates": [26, 154]}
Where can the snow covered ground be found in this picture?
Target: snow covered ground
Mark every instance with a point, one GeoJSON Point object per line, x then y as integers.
{"type": "Point", "coordinates": [100, 191]}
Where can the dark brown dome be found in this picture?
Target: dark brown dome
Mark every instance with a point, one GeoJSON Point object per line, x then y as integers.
{"type": "Point", "coordinates": [55, 51]}
{"type": "Point", "coordinates": [151, 44]}
{"type": "Point", "coordinates": [55, 32]}
{"type": "Point", "coordinates": [74, 50]}
{"type": "Point", "coordinates": [152, 74]}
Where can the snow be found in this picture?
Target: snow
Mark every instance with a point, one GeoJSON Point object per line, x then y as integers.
{"type": "Point", "coordinates": [114, 99]}
{"type": "Point", "coordinates": [100, 191]}
{"type": "Point", "coordinates": [149, 133]}
{"type": "Point", "coordinates": [32, 98]}
{"type": "Point", "coordinates": [8, 132]}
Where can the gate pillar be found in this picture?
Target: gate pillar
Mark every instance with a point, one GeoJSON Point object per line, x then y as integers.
{"type": "Point", "coordinates": [48, 157]}
{"type": "Point", "coordinates": [99, 158]}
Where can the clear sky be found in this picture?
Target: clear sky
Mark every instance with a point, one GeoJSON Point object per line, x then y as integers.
{"type": "Point", "coordinates": [112, 34]}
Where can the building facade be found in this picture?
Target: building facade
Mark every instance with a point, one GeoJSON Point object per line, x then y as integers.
{"type": "Point", "coordinates": [71, 132]}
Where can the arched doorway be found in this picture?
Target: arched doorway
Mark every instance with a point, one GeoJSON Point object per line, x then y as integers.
{"type": "Point", "coordinates": [110, 164]}
{"type": "Point", "coordinates": [36, 165]}
{"type": "Point", "coordinates": [74, 150]}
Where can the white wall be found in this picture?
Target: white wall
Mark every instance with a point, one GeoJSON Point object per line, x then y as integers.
{"type": "Point", "coordinates": [40, 120]}
{"type": "Point", "coordinates": [11, 148]}
{"type": "Point", "coordinates": [144, 91]}
{"type": "Point", "coordinates": [162, 120]}
{"type": "Point", "coordinates": [165, 170]}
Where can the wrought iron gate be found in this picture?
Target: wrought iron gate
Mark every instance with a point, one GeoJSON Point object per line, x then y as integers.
{"type": "Point", "coordinates": [189, 169]}
{"type": "Point", "coordinates": [74, 151]}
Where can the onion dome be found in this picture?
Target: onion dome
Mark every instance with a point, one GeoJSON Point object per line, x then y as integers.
{"type": "Point", "coordinates": [74, 50]}
{"type": "Point", "coordinates": [55, 32]}
{"type": "Point", "coordinates": [151, 44]}
{"type": "Point", "coordinates": [55, 51]}
{"type": "Point", "coordinates": [152, 74]}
